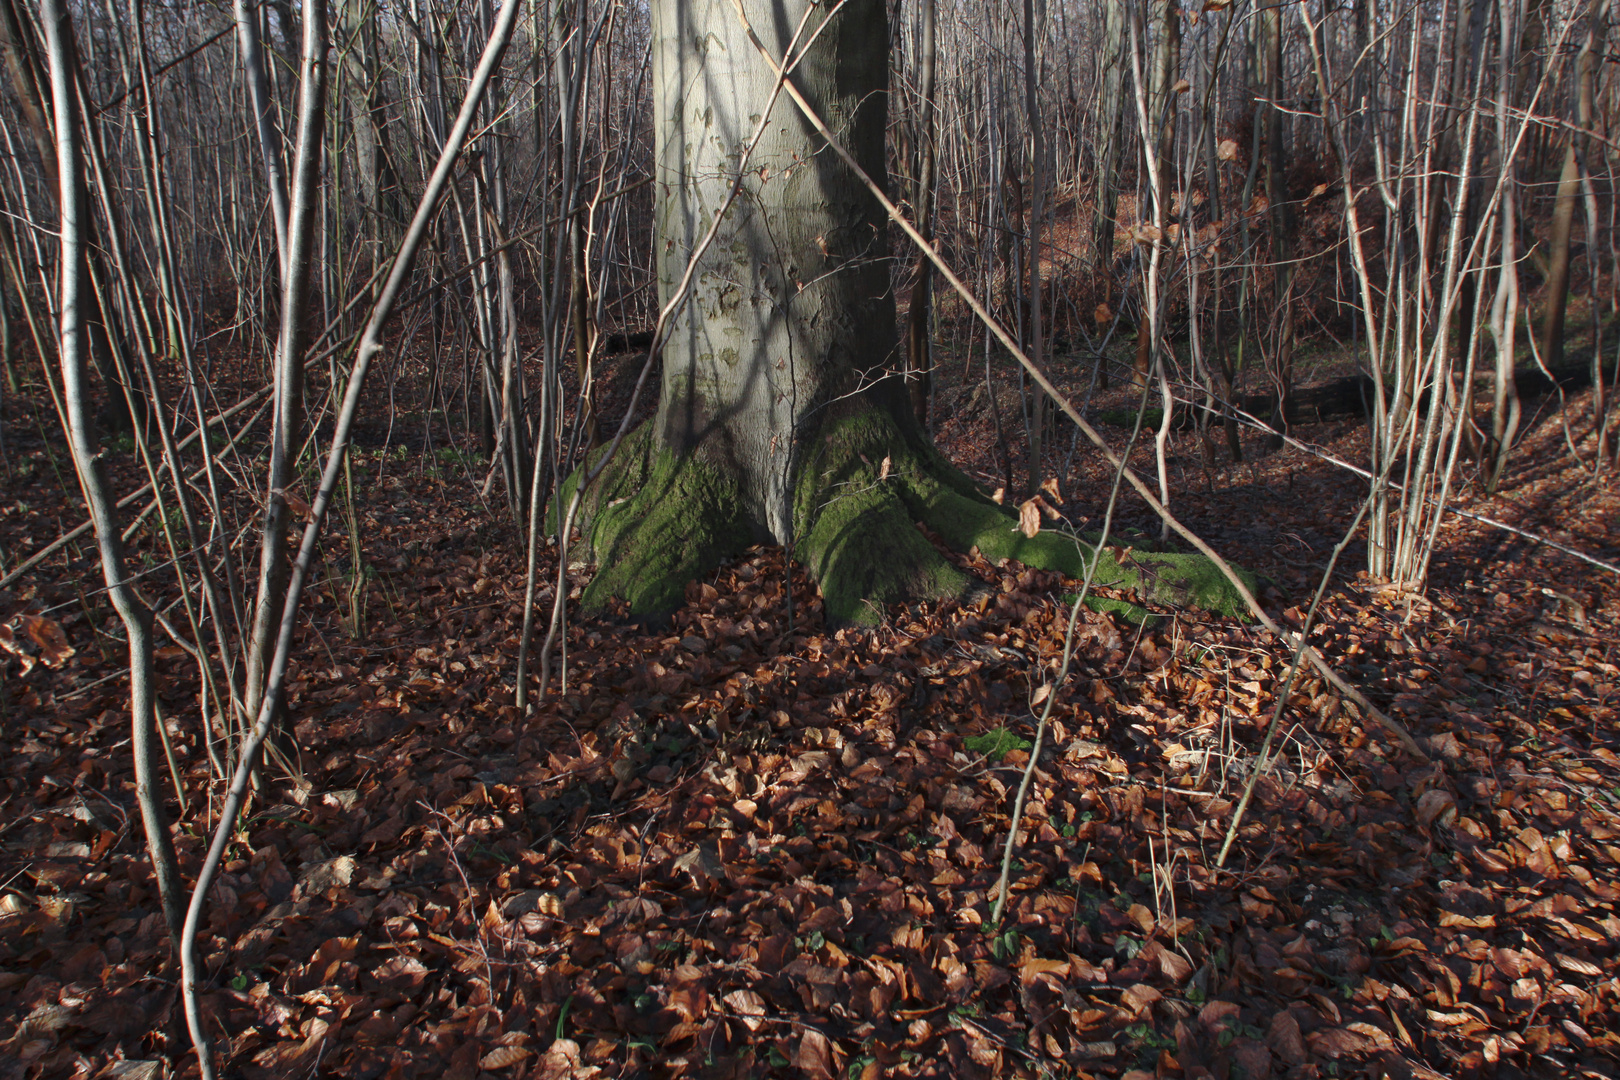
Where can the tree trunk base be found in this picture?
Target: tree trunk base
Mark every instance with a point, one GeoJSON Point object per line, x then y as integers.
{"type": "Point", "coordinates": [865, 484]}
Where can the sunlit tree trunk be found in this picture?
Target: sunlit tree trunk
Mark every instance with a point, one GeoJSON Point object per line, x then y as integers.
{"type": "Point", "coordinates": [919, 352]}
{"type": "Point", "coordinates": [72, 350]}
{"type": "Point", "coordinates": [287, 429]}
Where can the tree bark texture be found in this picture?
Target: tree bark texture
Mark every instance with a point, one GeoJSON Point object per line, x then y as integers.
{"type": "Point", "coordinates": [793, 298]}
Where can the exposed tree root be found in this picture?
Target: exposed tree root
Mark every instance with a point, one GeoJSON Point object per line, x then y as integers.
{"type": "Point", "coordinates": [865, 483]}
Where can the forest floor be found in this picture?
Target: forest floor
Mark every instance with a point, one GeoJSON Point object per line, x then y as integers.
{"type": "Point", "coordinates": [741, 847]}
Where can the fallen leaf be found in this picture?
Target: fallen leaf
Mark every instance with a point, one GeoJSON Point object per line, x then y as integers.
{"type": "Point", "coordinates": [296, 504]}
{"type": "Point", "coordinates": [504, 1057]}
{"type": "Point", "coordinates": [54, 649]}
{"type": "Point", "coordinates": [814, 1055]}
{"type": "Point", "coordinates": [331, 874]}
{"type": "Point", "coordinates": [1029, 517]}
{"type": "Point", "coordinates": [749, 1006]}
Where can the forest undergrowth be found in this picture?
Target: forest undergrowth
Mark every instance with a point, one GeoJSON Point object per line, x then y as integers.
{"type": "Point", "coordinates": [738, 845]}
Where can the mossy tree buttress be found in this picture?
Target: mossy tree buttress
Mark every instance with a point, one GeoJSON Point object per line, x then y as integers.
{"type": "Point", "coordinates": [780, 417]}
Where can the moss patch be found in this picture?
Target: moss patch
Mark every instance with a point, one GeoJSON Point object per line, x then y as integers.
{"type": "Point", "coordinates": [655, 522]}
{"type": "Point", "coordinates": [658, 520]}
{"type": "Point", "coordinates": [843, 501]}
{"type": "Point", "coordinates": [856, 528]}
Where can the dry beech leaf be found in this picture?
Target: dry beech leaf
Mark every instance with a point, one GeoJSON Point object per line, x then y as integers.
{"type": "Point", "coordinates": [503, 1057]}
{"type": "Point", "coordinates": [883, 470]}
{"type": "Point", "coordinates": [1050, 486]}
{"type": "Point", "coordinates": [1035, 967]}
{"type": "Point", "coordinates": [1044, 692]}
{"type": "Point", "coordinates": [999, 496]}
{"type": "Point", "coordinates": [54, 649]}
{"type": "Point", "coordinates": [562, 1061]}
{"type": "Point", "coordinates": [1436, 807]}
{"type": "Point", "coordinates": [331, 874]}
{"type": "Point", "coordinates": [135, 1070]}
{"type": "Point", "coordinates": [295, 504]}
{"type": "Point", "coordinates": [1029, 517]}
{"type": "Point", "coordinates": [813, 1056]}
{"type": "Point", "coordinates": [1226, 150]}
{"type": "Point", "coordinates": [747, 1005]}
{"type": "Point", "coordinates": [1181, 87]}
{"type": "Point", "coordinates": [1217, 5]}
{"type": "Point", "coordinates": [1102, 314]}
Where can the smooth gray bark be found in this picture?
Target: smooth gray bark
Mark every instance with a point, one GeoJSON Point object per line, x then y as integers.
{"type": "Point", "coordinates": [791, 303]}
{"type": "Point", "coordinates": [73, 297]}
{"type": "Point", "coordinates": [264, 119]}
{"type": "Point", "coordinates": [286, 434]}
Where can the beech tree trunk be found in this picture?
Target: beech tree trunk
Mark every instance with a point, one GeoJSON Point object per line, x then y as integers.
{"type": "Point", "coordinates": [782, 415]}
{"type": "Point", "coordinates": [793, 298]}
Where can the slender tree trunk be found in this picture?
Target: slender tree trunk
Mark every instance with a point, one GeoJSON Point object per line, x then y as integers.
{"type": "Point", "coordinates": [1281, 219]}
{"type": "Point", "coordinates": [72, 348]}
{"type": "Point", "coordinates": [8, 359]}
{"type": "Point", "coordinates": [1040, 408]}
{"type": "Point", "coordinates": [1111, 125]}
{"type": "Point", "coordinates": [1158, 135]}
{"type": "Point", "coordinates": [1505, 306]}
{"type": "Point", "coordinates": [1569, 187]}
{"type": "Point", "coordinates": [286, 434]}
{"type": "Point", "coordinates": [919, 353]}
{"type": "Point", "coordinates": [264, 120]}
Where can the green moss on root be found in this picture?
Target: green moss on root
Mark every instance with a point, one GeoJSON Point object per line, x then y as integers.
{"type": "Point", "coordinates": [655, 522]}
{"type": "Point", "coordinates": [840, 497]}
{"type": "Point", "coordinates": [856, 530]}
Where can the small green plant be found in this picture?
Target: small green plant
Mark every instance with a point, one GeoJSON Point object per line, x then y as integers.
{"type": "Point", "coordinates": [1004, 946]}
{"type": "Point", "coordinates": [996, 743]}
{"type": "Point", "coordinates": [562, 1015]}
{"type": "Point", "coordinates": [1148, 1037]}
